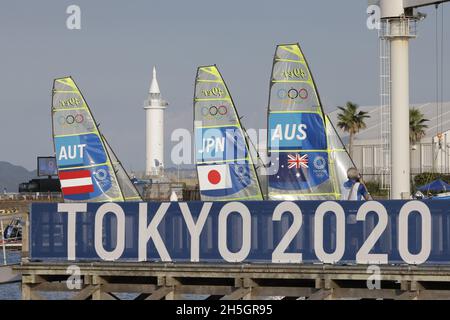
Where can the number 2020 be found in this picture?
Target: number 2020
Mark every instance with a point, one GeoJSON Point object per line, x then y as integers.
{"type": "Point", "coordinates": [363, 256]}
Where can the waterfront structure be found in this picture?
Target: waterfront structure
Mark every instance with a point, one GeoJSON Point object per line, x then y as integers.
{"type": "Point", "coordinates": [430, 154]}
{"type": "Point", "coordinates": [154, 128]}
{"type": "Point", "coordinates": [397, 27]}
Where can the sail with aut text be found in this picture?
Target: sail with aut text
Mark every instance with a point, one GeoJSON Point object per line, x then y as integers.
{"type": "Point", "coordinates": [88, 169]}
{"type": "Point", "coordinates": [224, 165]}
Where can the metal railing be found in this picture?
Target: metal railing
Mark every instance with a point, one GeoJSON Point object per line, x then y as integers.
{"type": "Point", "coordinates": [34, 196]}
{"type": "Point", "coordinates": [398, 27]}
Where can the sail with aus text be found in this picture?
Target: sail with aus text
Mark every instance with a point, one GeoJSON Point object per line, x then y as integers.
{"type": "Point", "coordinates": [88, 169]}
{"type": "Point", "coordinates": [224, 165]}
{"type": "Point", "coordinates": [308, 159]}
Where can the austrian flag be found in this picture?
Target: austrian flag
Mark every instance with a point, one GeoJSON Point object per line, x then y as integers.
{"type": "Point", "coordinates": [76, 182]}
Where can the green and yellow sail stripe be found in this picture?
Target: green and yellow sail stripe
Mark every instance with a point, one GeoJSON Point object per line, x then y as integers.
{"type": "Point", "coordinates": [222, 161]}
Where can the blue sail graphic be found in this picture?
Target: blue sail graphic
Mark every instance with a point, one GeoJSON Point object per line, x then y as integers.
{"type": "Point", "coordinates": [308, 160]}
{"type": "Point", "coordinates": [224, 165]}
{"type": "Point", "coordinates": [87, 167]}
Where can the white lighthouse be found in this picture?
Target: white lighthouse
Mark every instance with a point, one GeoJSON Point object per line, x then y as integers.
{"type": "Point", "coordinates": [154, 113]}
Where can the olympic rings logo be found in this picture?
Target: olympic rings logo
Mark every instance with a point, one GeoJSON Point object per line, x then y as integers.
{"type": "Point", "coordinates": [214, 111]}
{"type": "Point", "coordinates": [71, 119]}
{"type": "Point", "coordinates": [293, 93]}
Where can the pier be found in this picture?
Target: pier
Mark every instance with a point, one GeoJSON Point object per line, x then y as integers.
{"type": "Point", "coordinates": [155, 281]}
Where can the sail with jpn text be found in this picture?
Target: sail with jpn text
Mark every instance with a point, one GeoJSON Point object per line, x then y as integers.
{"type": "Point", "coordinates": [224, 164]}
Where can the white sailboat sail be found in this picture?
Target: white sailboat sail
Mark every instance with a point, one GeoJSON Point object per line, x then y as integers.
{"type": "Point", "coordinates": [340, 160]}
{"type": "Point", "coordinates": [224, 164]}
{"type": "Point", "coordinates": [88, 169]}
{"type": "Point", "coordinates": [128, 189]}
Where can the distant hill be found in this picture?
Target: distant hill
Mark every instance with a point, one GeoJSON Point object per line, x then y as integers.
{"type": "Point", "coordinates": [11, 176]}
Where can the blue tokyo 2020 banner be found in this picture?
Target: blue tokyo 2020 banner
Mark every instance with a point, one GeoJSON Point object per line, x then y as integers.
{"type": "Point", "coordinates": [340, 232]}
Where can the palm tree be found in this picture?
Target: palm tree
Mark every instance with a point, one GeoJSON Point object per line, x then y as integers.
{"type": "Point", "coordinates": [351, 120]}
{"type": "Point", "coordinates": [417, 125]}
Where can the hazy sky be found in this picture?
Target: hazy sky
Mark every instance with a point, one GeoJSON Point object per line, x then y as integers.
{"type": "Point", "coordinates": [111, 59]}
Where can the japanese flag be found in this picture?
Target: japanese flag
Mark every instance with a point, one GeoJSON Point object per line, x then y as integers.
{"type": "Point", "coordinates": [214, 177]}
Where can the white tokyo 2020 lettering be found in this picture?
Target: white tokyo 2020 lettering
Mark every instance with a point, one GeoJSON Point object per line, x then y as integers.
{"type": "Point", "coordinates": [242, 231]}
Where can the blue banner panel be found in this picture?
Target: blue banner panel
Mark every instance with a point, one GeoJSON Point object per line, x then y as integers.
{"type": "Point", "coordinates": [98, 178]}
{"type": "Point", "coordinates": [79, 150]}
{"type": "Point", "coordinates": [295, 130]}
{"type": "Point", "coordinates": [340, 232]}
{"type": "Point", "coordinates": [219, 144]}
{"type": "Point", "coordinates": [298, 170]}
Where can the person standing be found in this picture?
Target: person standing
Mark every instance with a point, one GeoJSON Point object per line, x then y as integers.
{"type": "Point", "coordinates": [173, 196]}
{"type": "Point", "coordinates": [354, 188]}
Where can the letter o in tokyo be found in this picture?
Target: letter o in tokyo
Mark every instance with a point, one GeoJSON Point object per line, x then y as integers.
{"type": "Point", "coordinates": [246, 232]}
{"type": "Point", "coordinates": [117, 210]}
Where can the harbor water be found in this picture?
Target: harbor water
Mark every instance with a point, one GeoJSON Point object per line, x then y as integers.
{"type": "Point", "coordinates": [10, 291]}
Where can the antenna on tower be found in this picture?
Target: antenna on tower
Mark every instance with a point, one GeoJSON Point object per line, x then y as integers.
{"type": "Point", "coordinates": [154, 87]}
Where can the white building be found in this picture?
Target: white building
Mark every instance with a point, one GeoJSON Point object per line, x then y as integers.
{"type": "Point", "coordinates": [428, 155]}
{"type": "Point", "coordinates": [154, 112]}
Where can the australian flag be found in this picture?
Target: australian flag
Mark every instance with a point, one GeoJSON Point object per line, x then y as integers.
{"type": "Point", "coordinates": [298, 170]}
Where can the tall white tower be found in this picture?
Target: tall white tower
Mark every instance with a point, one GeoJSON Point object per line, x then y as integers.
{"type": "Point", "coordinates": [398, 21]}
{"type": "Point", "coordinates": [154, 113]}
